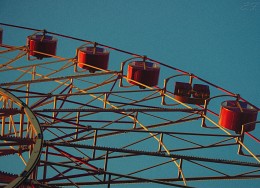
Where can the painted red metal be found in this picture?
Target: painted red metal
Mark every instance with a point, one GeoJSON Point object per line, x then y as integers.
{"type": "Point", "coordinates": [233, 114]}
{"type": "Point", "coordinates": [146, 73]}
{"type": "Point", "coordinates": [42, 43]}
{"type": "Point", "coordinates": [97, 57]}
{"type": "Point", "coordinates": [201, 91]}
{"type": "Point", "coordinates": [183, 91]}
{"type": "Point", "coordinates": [1, 35]}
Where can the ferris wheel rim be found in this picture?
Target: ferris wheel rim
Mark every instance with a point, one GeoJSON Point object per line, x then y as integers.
{"type": "Point", "coordinates": [36, 152]}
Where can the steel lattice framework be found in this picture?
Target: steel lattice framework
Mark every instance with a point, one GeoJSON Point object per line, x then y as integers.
{"type": "Point", "coordinates": [63, 126]}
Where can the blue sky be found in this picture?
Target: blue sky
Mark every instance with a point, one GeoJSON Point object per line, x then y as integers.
{"type": "Point", "coordinates": [216, 40]}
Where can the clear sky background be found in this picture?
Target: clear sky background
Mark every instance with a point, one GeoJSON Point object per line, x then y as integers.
{"type": "Point", "coordinates": [217, 40]}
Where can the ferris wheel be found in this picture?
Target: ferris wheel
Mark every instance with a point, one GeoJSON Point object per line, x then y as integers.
{"type": "Point", "coordinates": [95, 115]}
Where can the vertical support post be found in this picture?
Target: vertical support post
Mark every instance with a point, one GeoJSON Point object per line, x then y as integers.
{"type": "Point", "coordinates": [27, 94]}
{"type": "Point", "coordinates": [75, 61]}
{"type": "Point", "coordinates": [45, 165]}
{"type": "Point", "coordinates": [77, 122]}
{"type": "Point", "coordinates": [3, 117]}
{"type": "Point", "coordinates": [31, 131]}
{"type": "Point", "coordinates": [94, 144]}
{"type": "Point", "coordinates": [10, 126]}
{"type": "Point", "coordinates": [94, 48]}
{"type": "Point", "coordinates": [21, 122]}
{"type": "Point", "coordinates": [144, 60]}
{"type": "Point", "coordinates": [28, 48]}
{"type": "Point", "coordinates": [71, 85]}
{"type": "Point", "coordinates": [31, 136]}
{"type": "Point", "coordinates": [3, 126]}
{"type": "Point", "coordinates": [203, 124]}
{"type": "Point", "coordinates": [34, 173]}
{"type": "Point", "coordinates": [160, 143]}
{"type": "Point", "coordinates": [27, 129]}
{"type": "Point", "coordinates": [11, 120]}
{"type": "Point", "coordinates": [105, 101]}
{"type": "Point", "coordinates": [179, 170]}
{"type": "Point", "coordinates": [109, 180]}
{"type": "Point", "coordinates": [121, 74]}
{"type": "Point", "coordinates": [163, 91]}
{"type": "Point", "coordinates": [240, 152]}
{"type": "Point", "coordinates": [54, 107]}
{"type": "Point", "coordinates": [33, 72]}
{"type": "Point", "coordinates": [105, 166]}
{"type": "Point", "coordinates": [237, 102]}
{"type": "Point", "coordinates": [191, 78]}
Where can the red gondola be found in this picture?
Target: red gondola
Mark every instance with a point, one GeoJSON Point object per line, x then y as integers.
{"type": "Point", "coordinates": [94, 56]}
{"type": "Point", "coordinates": [199, 92]}
{"type": "Point", "coordinates": [182, 89]}
{"type": "Point", "coordinates": [42, 43]}
{"type": "Point", "coordinates": [146, 73]}
{"type": "Point", "coordinates": [233, 114]}
{"type": "Point", "coordinates": [1, 35]}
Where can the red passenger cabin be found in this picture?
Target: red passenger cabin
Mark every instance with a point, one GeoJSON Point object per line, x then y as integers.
{"type": "Point", "coordinates": [201, 91]}
{"type": "Point", "coordinates": [42, 43]}
{"type": "Point", "coordinates": [146, 73]}
{"type": "Point", "coordinates": [185, 93]}
{"type": "Point", "coordinates": [233, 114]}
{"type": "Point", "coordinates": [94, 56]}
